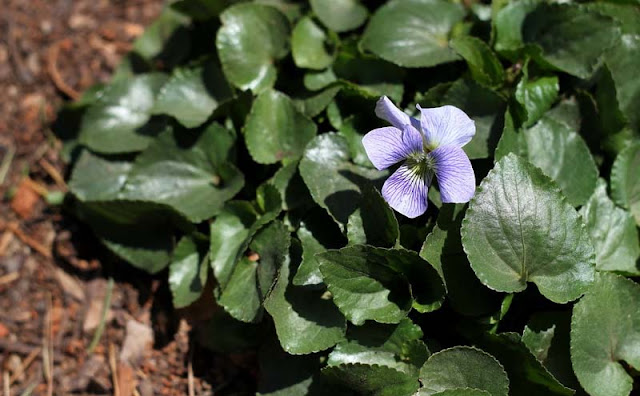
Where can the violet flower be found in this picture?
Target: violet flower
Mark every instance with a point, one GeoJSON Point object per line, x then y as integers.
{"type": "Point", "coordinates": [428, 147]}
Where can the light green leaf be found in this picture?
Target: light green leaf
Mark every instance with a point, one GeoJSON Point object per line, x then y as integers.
{"type": "Point", "coordinates": [196, 179]}
{"type": "Point", "coordinates": [192, 94]}
{"type": "Point", "coordinates": [313, 105]}
{"type": "Point", "coordinates": [483, 64]}
{"type": "Point", "coordinates": [605, 331]}
{"type": "Point", "coordinates": [252, 277]}
{"type": "Point", "coordinates": [314, 81]}
{"type": "Point", "coordinates": [308, 45]}
{"type": "Point", "coordinates": [372, 380]}
{"type": "Point", "coordinates": [625, 180]}
{"type": "Point", "coordinates": [340, 15]}
{"type": "Point", "coordinates": [95, 178]}
{"type": "Point", "coordinates": [536, 95]}
{"type": "Point", "coordinates": [374, 223]}
{"type": "Point", "coordinates": [527, 376]}
{"type": "Point", "coordinates": [187, 273]}
{"type": "Point", "coordinates": [252, 37]}
{"type": "Point", "coordinates": [275, 130]}
{"type": "Point", "coordinates": [571, 37]}
{"type": "Point", "coordinates": [305, 321]}
{"type": "Point", "coordinates": [622, 60]}
{"type": "Point", "coordinates": [118, 121]}
{"type": "Point", "coordinates": [613, 232]}
{"type": "Point", "coordinates": [562, 155]}
{"type": "Point", "coordinates": [463, 367]}
{"type": "Point", "coordinates": [334, 182]}
{"type": "Point", "coordinates": [519, 229]}
{"type": "Point", "coordinates": [413, 33]}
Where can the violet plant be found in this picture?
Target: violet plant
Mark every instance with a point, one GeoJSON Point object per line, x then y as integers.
{"type": "Point", "coordinates": [250, 172]}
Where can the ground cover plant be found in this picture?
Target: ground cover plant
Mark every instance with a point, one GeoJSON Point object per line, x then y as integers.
{"type": "Point", "coordinates": [229, 150]}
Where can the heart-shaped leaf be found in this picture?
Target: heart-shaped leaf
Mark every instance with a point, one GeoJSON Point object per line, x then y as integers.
{"type": "Point", "coordinates": [605, 329]}
{"type": "Point", "coordinates": [613, 232]}
{"type": "Point", "coordinates": [188, 272]}
{"type": "Point", "coordinates": [625, 180]}
{"type": "Point", "coordinates": [308, 45]}
{"type": "Point", "coordinates": [519, 229]}
{"type": "Point", "coordinates": [340, 15]}
{"type": "Point", "coordinates": [413, 33]}
{"type": "Point", "coordinates": [195, 179]}
{"type": "Point", "coordinates": [192, 94]}
{"type": "Point", "coordinates": [463, 367]}
{"type": "Point", "coordinates": [275, 130]}
{"type": "Point", "coordinates": [252, 37]}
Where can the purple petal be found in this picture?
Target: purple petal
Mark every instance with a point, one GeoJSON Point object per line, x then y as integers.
{"type": "Point", "coordinates": [454, 173]}
{"type": "Point", "coordinates": [389, 145]}
{"type": "Point", "coordinates": [446, 125]}
{"type": "Point", "coordinates": [386, 110]}
{"type": "Point", "coordinates": [406, 192]}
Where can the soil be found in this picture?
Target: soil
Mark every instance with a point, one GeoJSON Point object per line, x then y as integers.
{"type": "Point", "coordinates": [54, 276]}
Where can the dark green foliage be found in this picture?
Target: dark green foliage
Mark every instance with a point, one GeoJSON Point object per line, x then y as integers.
{"type": "Point", "coordinates": [228, 149]}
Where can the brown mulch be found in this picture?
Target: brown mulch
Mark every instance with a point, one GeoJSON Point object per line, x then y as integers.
{"type": "Point", "coordinates": [53, 274]}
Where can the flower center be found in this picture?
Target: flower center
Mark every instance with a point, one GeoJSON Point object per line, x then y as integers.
{"type": "Point", "coordinates": [420, 163]}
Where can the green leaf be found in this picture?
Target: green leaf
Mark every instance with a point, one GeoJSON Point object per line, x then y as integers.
{"type": "Point", "coordinates": [252, 37]}
{"type": "Point", "coordinates": [192, 94]}
{"type": "Point", "coordinates": [396, 346]}
{"type": "Point", "coordinates": [547, 337]}
{"type": "Point", "coordinates": [334, 182]}
{"type": "Point", "coordinates": [625, 180]}
{"type": "Point", "coordinates": [463, 367]}
{"type": "Point", "coordinates": [507, 26]}
{"type": "Point", "coordinates": [518, 228]}
{"type": "Point", "coordinates": [536, 95]}
{"type": "Point", "coordinates": [571, 38]}
{"type": "Point", "coordinates": [95, 178]}
{"type": "Point", "coordinates": [282, 374]}
{"type": "Point", "coordinates": [117, 122]}
{"type": "Point", "coordinates": [613, 232]}
{"type": "Point", "coordinates": [340, 15]}
{"type": "Point", "coordinates": [317, 234]}
{"type": "Point", "coordinates": [621, 60]}
{"type": "Point", "coordinates": [194, 179]}
{"type": "Point", "coordinates": [413, 33]}
{"type": "Point", "coordinates": [443, 249]}
{"type": "Point", "coordinates": [485, 107]}
{"type": "Point", "coordinates": [605, 329]}
{"type": "Point", "coordinates": [562, 155]}
{"type": "Point", "coordinates": [371, 283]}
{"type": "Point", "coordinates": [166, 41]}
{"type": "Point", "coordinates": [374, 223]}
{"type": "Point", "coordinates": [298, 311]}
{"type": "Point", "coordinates": [200, 9]}
{"type": "Point", "coordinates": [308, 45]}
{"type": "Point", "coordinates": [187, 273]}
{"type": "Point", "coordinates": [293, 192]}
{"type": "Point", "coordinates": [141, 233]}
{"type": "Point", "coordinates": [457, 392]}
{"type": "Point", "coordinates": [527, 376]}
{"type": "Point", "coordinates": [353, 129]}
{"type": "Point", "coordinates": [483, 64]}
{"type": "Point", "coordinates": [275, 130]}
{"type": "Point", "coordinates": [313, 105]}
{"type": "Point", "coordinates": [367, 76]}
{"type": "Point", "coordinates": [314, 81]}
{"type": "Point", "coordinates": [372, 380]}
{"type": "Point", "coordinates": [363, 287]}
{"type": "Point", "coordinates": [252, 278]}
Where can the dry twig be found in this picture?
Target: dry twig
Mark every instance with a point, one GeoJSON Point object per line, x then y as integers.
{"type": "Point", "coordinates": [52, 68]}
{"type": "Point", "coordinates": [32, 243]}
